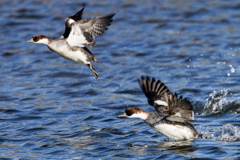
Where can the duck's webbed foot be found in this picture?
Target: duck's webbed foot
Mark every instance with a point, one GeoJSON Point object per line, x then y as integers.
{"type": "Point", "coordinates": [93, 70]}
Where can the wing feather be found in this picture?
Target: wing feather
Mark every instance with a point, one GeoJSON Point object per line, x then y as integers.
{"type": "Point", "coordinates": [179, 108]}
{"type": "Point", "coordinates": [71, 19]}
{"type": "Point", "coordinates": [91, 27]}
{"type": "Point", "coordinates": [154, 91]}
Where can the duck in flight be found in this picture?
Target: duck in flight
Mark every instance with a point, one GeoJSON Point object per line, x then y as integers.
{"type": "Point", "coordinates": [173, 112]}
{"type": "Point", "coordinates": [78, 34]}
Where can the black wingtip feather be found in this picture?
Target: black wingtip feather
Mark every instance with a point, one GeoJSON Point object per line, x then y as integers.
{"type": "Point", "coordinates": [154, 90]}
{"type": "Point", "coordinates": [78, 16]}
{"type": "Point", "coordinates": [150, 85]}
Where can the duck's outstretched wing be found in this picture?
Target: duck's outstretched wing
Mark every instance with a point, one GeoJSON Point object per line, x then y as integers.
{"type": "Point", "coordinates": [71, 19]}
{"type": "Point", "coordinates": [83, 32]}
{"type": "Point", "coordinates": [155, 92]}
{"type": "Point", "coordinates": [179, 109]}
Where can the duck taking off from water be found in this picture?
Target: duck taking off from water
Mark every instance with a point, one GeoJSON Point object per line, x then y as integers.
{"type": "Point", "coordinates": [78, 34]}
{"type": "Point", "coordinates": [173, 112]}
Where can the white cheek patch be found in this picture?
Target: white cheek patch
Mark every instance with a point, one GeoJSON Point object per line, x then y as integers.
{"type": "Point", "coordinates": [141, 115]}
{"type": "Point", "coordinates": [159, 102]}
{"type": "Point", "coordinates": [43, 41]}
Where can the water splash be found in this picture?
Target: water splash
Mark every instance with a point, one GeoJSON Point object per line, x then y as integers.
{"type": "Point", "coordinates": [227, 132]}
{"type": "Point", "coordinates": [218, 102]}
{"type": "Point", "coordinates": [232, 70]}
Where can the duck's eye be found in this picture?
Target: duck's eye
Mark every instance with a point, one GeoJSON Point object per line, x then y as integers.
{"type": "Point", "coordinates": [35, 39]}
{"type": "Point", "coordinates": [129, 112]}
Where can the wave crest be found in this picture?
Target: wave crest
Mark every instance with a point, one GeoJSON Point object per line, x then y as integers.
{"type": "Point", "coordinates": [219, 102]}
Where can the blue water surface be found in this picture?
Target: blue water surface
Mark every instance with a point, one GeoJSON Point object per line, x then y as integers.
{"type": "Point", "coordinates": [53, 108]}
